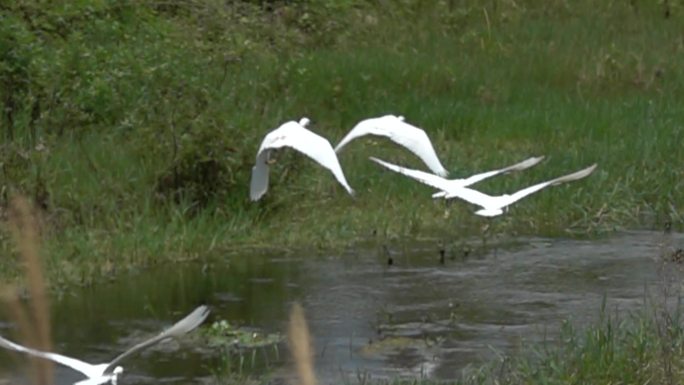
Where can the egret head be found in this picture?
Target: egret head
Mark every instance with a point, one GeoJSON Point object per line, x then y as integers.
{"type": "Point", "coordinates": [304, 121]}
{"type": "Point", "coordinates": [115, 375]}
{"type": "Point", "coordinates": [400, 117]}
{"type": "Point", "coordinates": [489, 212]}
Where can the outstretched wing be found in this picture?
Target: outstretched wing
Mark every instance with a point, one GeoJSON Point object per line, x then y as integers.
{"type": "Point", "coordinates": [411, 137]}
{"type": "Point", "coordinates": [525, 164]}
{"type": "Point", "coordinates": [563, 179]}
{"type": "Point", "coordinates": [87, 369]}
{"type": "Point", "coordinates": [96, 380]}
{"type": "Point", "coordinates": [180, 328]}
{"type": "Point", "coordinates": [416, 141]}
{"type": "Point", "coordinates": [421, 176]}
{"type": "Point", "coordinates": [362, 128]}
{"type": "Point", "coordinates": [316, 147]}
{"type": "Point", "coordinates": [259, 181]}
{"type": "Point", "coordinates": [472, 196]}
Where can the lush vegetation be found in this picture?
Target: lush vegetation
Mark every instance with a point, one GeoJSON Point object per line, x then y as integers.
{"type": "Point", "coordinates": [639, 348]}
{"type": "Point", "coordinates": [133, 125]}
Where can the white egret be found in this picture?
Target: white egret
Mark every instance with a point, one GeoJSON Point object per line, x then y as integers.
{"type": "Point", "coordinates": [446, 185]}
{"type": "Point", "coordinates": [400, 132]}
{"type": "Point", "coordinates": [109, 372]}
{"type": "Point", "coordinates": [297, 136]}
{"type": "Point", "coordinates": [495, 205]}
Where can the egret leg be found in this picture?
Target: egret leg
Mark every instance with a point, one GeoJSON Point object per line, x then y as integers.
{"type": "Point", "coordinates": [488, 229]}
{"type": "Point", "coordinates": [485, 234]}
{"type": "Point", "coordinates": [447, 206]}
{"type": "Point", "coordinates": [390, 260]}
{"type": "Point", "coordinates": [442, 253]}
{"type": "Point", "coordinates": [496, 246]}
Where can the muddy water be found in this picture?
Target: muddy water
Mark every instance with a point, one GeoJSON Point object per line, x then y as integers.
{"type": "Point", "coordinates": [416, 317]}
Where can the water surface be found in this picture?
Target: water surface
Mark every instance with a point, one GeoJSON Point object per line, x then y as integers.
{"type": "Point", "coordinates": [416, 317]}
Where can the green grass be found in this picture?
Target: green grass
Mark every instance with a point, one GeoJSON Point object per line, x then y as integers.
{"type": "Point", "coordinates": [641, 347]}
{"type": "Point", "coordinates": [134, 125]}
{"type": "Point", "coordinates": [644, 347]}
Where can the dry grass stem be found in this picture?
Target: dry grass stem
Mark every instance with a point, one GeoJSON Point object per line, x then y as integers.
{"type": "Point", "coordinates": [34, 324]}
{"type": "Point", "coordinates": [300, 346]}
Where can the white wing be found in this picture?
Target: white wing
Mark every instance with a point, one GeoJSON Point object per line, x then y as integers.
{"type": "Point", "coordinates": [294, 135]}
{"type": "Point", "coordinates": [473, 196]}
{"type": "Point", "coordinates": [87, 369]}
{"type": "Point", "coordinates": [259, 182]}
{"type": "Point", "coordinates": [180, 328]}
{"type": "Point", "coordinates": [411, 137]}
{"type": "Point", "coordinates": [364, 127]}
{"type": "Point", "coordinates": [563, 179]}
{"type": "Point", "coordinates": [446, 185]}
{"type": "Point", "coordinates": [421, 176]}
{"type": "Point", "coordinates": [96, 380]}
{"type": "Point", "coordinates": [525, 164]}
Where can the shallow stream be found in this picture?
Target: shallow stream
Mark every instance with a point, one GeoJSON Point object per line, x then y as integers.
{"type": "Point", "coordinates": [416, 317]}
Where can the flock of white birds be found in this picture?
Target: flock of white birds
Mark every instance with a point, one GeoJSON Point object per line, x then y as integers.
{"type": "Point", "coordinates": [296, 135]}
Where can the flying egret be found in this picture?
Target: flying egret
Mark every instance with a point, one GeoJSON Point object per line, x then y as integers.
{"type": "Point", "coordinates": [400, 132]}
{"type": "Point", "coordinates": [496, 205]}
{"type": "Point", "coordinates": [446, 185]}
{"type": "Point", "coordinates": [295, 135]}
{"type": "Point", "coordinates": [109, 372]}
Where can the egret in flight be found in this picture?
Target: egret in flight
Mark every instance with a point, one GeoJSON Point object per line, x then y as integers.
{"type": "Point", "coordinates": [109, 372]}
{"type": "Point", "coordinates": [294, 135]}
{"type": "Point", "coordinates": [445, 185]}
{"type": "Point", "coordinates": [400, 132]}
{"type": "Point", "coordinates": [496, 205]}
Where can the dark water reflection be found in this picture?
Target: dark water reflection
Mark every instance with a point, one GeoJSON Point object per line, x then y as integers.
{"type": "Point", "coordinates": [422, 317]}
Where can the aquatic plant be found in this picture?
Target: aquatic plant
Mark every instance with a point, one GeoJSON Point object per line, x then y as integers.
{"type": "Point", "coordinates": [223, 333]}
{"type": "Point", "coordinates": [242, 350]}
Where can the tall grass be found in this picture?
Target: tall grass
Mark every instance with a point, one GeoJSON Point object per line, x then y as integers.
{"type": "Point", "coordinates": [639, 348]}
{"type": "Point", "coordinates": [134, 125]}
{"type": "Point", "coordinates": [33, 318]}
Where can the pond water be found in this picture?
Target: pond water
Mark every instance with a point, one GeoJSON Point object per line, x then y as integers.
{"type": "Point", "coordinates": [415, 317]}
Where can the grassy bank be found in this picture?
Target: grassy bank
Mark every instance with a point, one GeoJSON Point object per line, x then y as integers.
{"type": "Point", "coordinates": [628, 349]}
{"type": "Point", "coordinates": [134, 125]}
{"type": "Point", "coordinates": [634, 348]}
